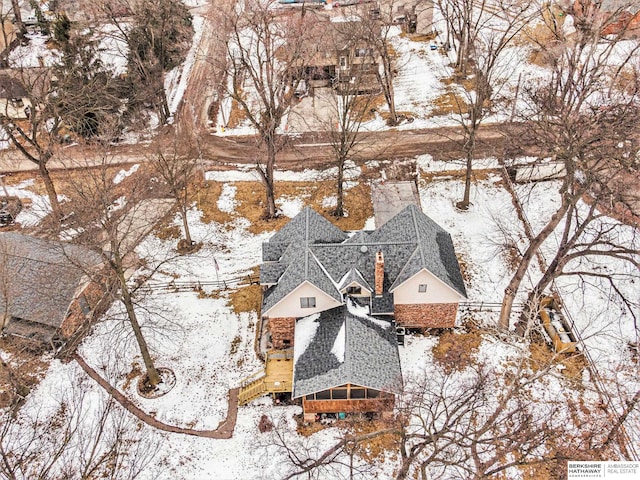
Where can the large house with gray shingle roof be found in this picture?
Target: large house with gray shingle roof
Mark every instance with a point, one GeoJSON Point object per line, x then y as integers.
{"type": "Point", "coordinates": [315, 276]}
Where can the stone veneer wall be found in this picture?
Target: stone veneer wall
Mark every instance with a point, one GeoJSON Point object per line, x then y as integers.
{"type": "Point", "coordinates": [426, 315]}
{"type": "Point", "coordinates": [282, 329]}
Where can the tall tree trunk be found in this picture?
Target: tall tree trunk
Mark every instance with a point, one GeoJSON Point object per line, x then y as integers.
{"type": "Point", "coordinates": [339, 211]}
{"type": "Point", "coordinates": [51, 191]}
{"type": "Point", "coordinates": [185, 224]}
{"type": "Point", "coordinates": [22, 30]}
{"type": "Point", "coordinates": [518, 276]}
{"type": "Point", "coordinates": [164, 107]}
{"type": "Point", "coordinates": [267, 178]}
{"type": "Point", "coordinates": [386, 82]}
{"type": "Point", "coordinates": [152, 373]}
{"type": "Point", "coordinates": [466, 198]}
{"type": "Point", "coordinates": [470, 147]}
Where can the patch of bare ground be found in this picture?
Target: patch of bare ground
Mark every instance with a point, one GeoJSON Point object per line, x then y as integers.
{"type": "Point", "coordinates": [166, 230]}
{"type": "Point", "coordinates": [426, 37]}
{"type": "Point", "coordinates": [308, 429]}
{"type": "Point", "coordinates": [455, 350]}
{"type": "Point", "coordinates": [250, 203]}
{"type": "Point", "coordinates": [571, 365]}
{"type": "Point", "coordinates": [25, 366]}
{"type": "Point", "coordinates": [371, 104]}
{"type": "Point", "coordinates": [543, 33]}
{"type": "Point", "coordinates": [478, 174]}
{"type": "Point", "coordinates": [378, 448]}
{"type": "Point", "coordinates": [237, 115]}
{"type": "Point", "coordinates": [464, 268]}
{"type": "Point", "coordinates": [246, 299]}
{"type": "Point", "coordinates": [206, 195]}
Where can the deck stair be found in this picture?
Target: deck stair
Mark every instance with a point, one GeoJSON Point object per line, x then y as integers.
{"type": "Point", "coordinates": [276, 377]}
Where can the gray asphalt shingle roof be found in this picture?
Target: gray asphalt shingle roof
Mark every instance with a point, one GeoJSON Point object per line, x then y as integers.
{"type": "Point", "coordinates": [371, 356]}
{"type": "Point", "coordinates": [354, 276]}
{"type": "Point", "coordinates": [310, 248]}
{"type": "Point", "coordinates": [41, 278]}
{"type": "Point", "coordinates": [433, 247]}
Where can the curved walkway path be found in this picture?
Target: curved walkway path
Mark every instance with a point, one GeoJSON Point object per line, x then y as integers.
{"type": "Point", "coordinates": [224, 430]}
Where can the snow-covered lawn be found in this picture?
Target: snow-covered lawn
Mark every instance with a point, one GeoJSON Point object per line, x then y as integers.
{"type": "Point", "coordinates": [210, 347]}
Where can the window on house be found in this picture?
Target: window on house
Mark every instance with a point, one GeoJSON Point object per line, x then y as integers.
{"type": "Point", "coordinates": [324, 395]}
{"type": "Point", "coordinates": [372, 393]}
{"type": "Point", "coordinates": [357, 393]}
{"type": "Point", "coordinates": [422, 288]}
{"type": "Point", "coordinates": [343, 62]}
{"type": "Point", "coordinates": [354, 290]}
{"type": "Point", "coordinates": [363, 52]}
{"type": "Point", "coordinates": [339, 394]}
{"type": "Point", "coordinates": [307, 302]}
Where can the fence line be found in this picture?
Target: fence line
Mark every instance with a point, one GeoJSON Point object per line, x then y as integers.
{"type": "Point", "coordinates": [175, 286]}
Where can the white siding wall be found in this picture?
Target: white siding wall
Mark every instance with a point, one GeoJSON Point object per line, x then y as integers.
{"type": "Point", "coordinates": [289, 306]}
{"type": "Point", "coordinates": [437, 291]}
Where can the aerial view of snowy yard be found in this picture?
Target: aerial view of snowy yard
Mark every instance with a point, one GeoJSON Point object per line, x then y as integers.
{"type": "Point", "coordinates": [326, 240]}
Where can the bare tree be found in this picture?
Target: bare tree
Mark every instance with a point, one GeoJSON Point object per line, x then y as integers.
{"type": "Point", "coordinates": [592, 246]}
{"type": "Point", "coordinates": [15, 6]}
{"type": "Point", "coordinates": [484, 34]}
{"type": "Point", "coordinates": [266, 49]}
{"type": "Point", "coordinates": [9, 33]}
{"type": "Point", "coordinates": [177, 169]}
{"type": "Point", "coordinates": [80, 438]}
{"type": "Point", "coordinates": [77, 93]}
{"type": "Point", "coordinates": [346, 134]}
{"type": "Point", "coordinates": [477, 422]}
{"type": "Point", "coordinates": [378, 32]}
{"type": "Point", "coordinates": [37, 139]}
{"type": "Point", "coordinates": [343, 105]}
{"type": "Point", "coordinates": [113, 222]}
{"type": "Point", "coordinates": [585, 115]}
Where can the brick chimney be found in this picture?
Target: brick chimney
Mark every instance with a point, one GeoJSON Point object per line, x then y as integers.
{"type": "Point", "coordinates": [379, 273]}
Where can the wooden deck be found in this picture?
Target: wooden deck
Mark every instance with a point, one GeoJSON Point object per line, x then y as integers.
{"type": "Point", "coordinates": [276, 377]}
{"type": "Point", "coordinates": [279, 366]}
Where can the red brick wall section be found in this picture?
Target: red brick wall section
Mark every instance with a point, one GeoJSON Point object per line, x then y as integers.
{"type": "Point", "coordinates": [379, 273]}
{"type": "Point", "coordinates": [428, 315]}
{"type": "Point", "coordinates": [282, 329]}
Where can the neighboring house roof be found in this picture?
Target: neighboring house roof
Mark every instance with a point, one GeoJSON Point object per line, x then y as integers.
{"type": "Point", "coordinates": [347, 346]}
{"type": "Point", "coordinates": [310, 248]}
{"type": "Point", "coordinates": [39, 279]}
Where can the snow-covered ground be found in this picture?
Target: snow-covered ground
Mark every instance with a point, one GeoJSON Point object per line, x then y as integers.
{"type": "Point", "coordinates": [210, 347]}
{"type": "Point", "coordinates": [35, 207]}
{"type": "Point", "coordinates": [193, 333]}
